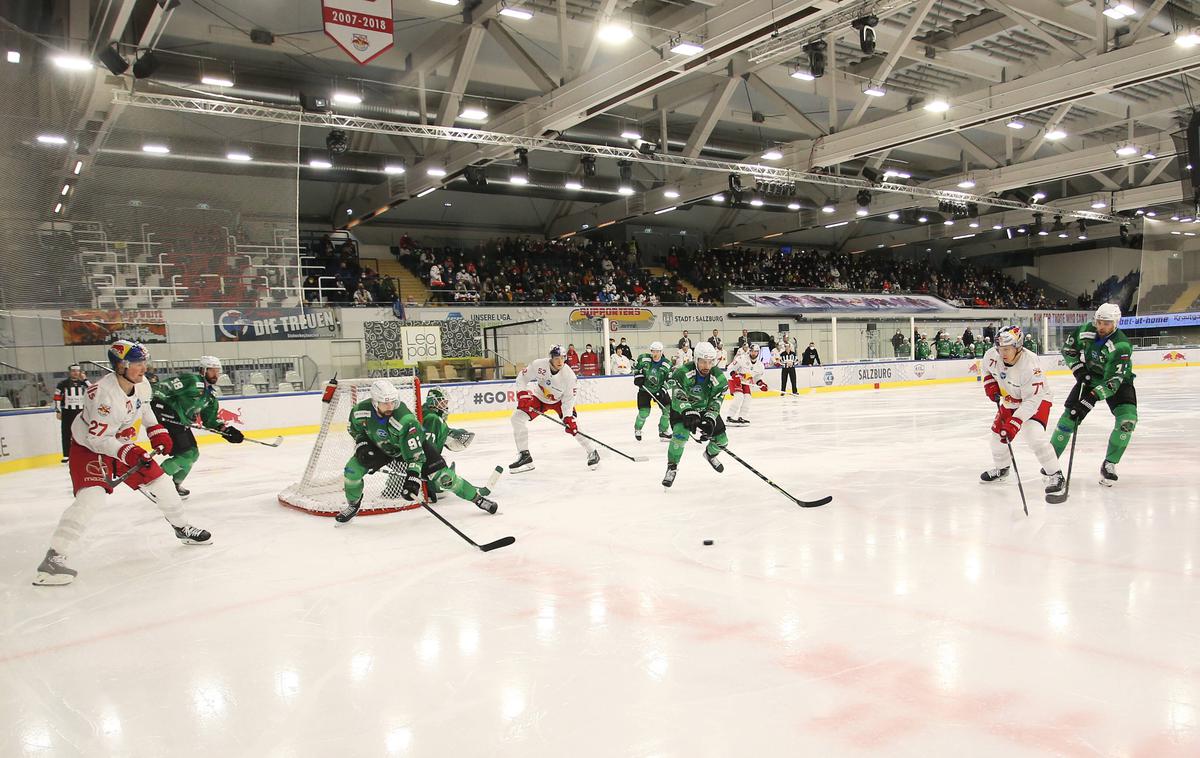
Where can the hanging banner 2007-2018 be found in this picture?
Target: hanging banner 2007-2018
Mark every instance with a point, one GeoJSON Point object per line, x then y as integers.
{"type": "Point", "coordinates": [363, 28]}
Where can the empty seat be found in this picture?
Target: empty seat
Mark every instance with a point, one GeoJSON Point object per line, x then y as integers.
{"type": "Point", "coordinates": [293, 376]}
{"type": "Point", "coordinates": [258, 377]}
{"type": "Point", "coordinates": [449, 371]}
{"type": "Point", "coordinates": [224, 381]}
{"type": "Point", "coordinates": [285, 387]}
{"type": "Point", "coordinates": [5, 403]}
{"type": "Point", "coordinates": [249, 389]}
{"type": "Point", "coordinates": [431, 373]}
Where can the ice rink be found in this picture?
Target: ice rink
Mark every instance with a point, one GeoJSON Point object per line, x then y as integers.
{"type": "Point", "coordinates": [919, 614]}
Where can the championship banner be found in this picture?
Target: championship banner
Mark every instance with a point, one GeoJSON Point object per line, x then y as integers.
{"type": "Point", "coordinates": [243, 325]}
{"type": "Point", "coordinates": [835, 302]}
{"type": "Point", "coordinates": [363, 28]}
{"type": "Point", "coordinates": [83, 326]}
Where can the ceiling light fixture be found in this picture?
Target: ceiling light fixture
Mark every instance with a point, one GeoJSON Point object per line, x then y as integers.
{"type": "Point", "coordinates": [827, 208]}
{"type": "Point", "coordinates": [937, 105]}
{"type": "Point", "coordinates": [661, 211]}
{"type": "Point", "coordinates": [966, 184]}
{"type": "Point", "coordinates": [436, 171]}
{"type": "Point", "coordinates": [793, 206]}
{"type": "Point", "coordinates": [871, 89]}
{"type": "Point", "coordinates": [14, 56]}
{"type": "Point", "coordinates": [72, 63]}
{"type": "Point", "coordinates": [473, 113]}
{"type": "Point", "coordinates": [803, 74]}
{"type": "Point", "coordinates": [772, 155]}
{"type": "Point", "coordinates": [671, 193]}
{"type": "Point", "coordinates": [718, 198]}
{"type": "Point", "coordinates": [683, 47]}
{"type": "Point", "coordinates": [320, 163]}
{"type": "Point", "coordinates": [1055, 134]}
{"type": "Point", "coordinates": [893, 216]}
{"type": "Point", "coordinates": [614, 32]}
{"type": "Point", "coordinates": [238, 155]}
{"type": "Point", "coordinates": [155, 149]}
{"type": "Point", "coordinates": [1118, 11]}
{"type": "Point", "coordinates": [52, 139]}
{"type": "Point", "coordinates": [573, 184]}
{"type": "Point", "coordinates": [425, 192]}
{"type": "Point", "coordinates": [1015, 123]}
{"type": "Point", "coordinates": [518, 13]}
{"type": "Point", "coordinates": [217, 81]}
{"type": "Point", "coordinates": [1038, 197]}
{"type": "Point", "coordinates": [394, 168]}
{"type": "Point", "coordinates": [1127, 150]}
{"type": "Point", "coordinates": [347, 98]}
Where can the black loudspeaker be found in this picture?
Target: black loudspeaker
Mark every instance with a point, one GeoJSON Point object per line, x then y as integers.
{"type": "Point", "coordinates": [783, 328]}
{"type": "Point", "coordinates": [872, 327]}
{"type": "Point", "coordinates": [145, 66]}
{"type": "Point", "coordinates": [112, 60]}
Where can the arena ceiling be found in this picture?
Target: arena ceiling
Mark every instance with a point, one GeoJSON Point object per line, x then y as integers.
{"type": "Point", "coordinates": [1056, 66]}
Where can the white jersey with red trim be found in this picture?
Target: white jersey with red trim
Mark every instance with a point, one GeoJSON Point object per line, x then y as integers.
{"type": "Point", "coordinates": [1022, 381]}
{"type": "Point", "coordinates": [548, 386]}
{"type": "Point", "coordinates": [747, 370]}
{"type": "Point", "coordinates": [107, 421]}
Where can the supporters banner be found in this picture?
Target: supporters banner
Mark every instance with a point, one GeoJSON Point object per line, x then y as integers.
{"type": "Point", "coordinates": [363, 28]}
{"type": "Point", "coordinates": [85, 326]}
{"type": "Point", "coordinates": [619, 317]}
{"type": "Point", "coordinates": [834, 302]}
{"type": "Point", "coordinates": [245, 324]}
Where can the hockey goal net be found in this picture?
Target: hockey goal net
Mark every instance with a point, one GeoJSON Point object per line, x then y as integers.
{"type": "Point", "coordinates": [320, 489]}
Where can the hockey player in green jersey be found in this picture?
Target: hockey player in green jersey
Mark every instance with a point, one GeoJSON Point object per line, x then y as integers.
{"type": "Point", "coordinates": [1030, 343]}
{"type": "Point", "coordinates": [650, 375]}
{"type": "Point", "coordinates": [1101, 358]}
{"type": "Point", "coordinates": [923, 350]}
{"type": "Point", "coordinates": [942, 345]}
{"type": "Point", "coordinates": [980, 346]}
{"type": "Point", "coordinates": [387, 432]}
{"type": "Point", "coordinates": [957, 348]}
{"type": "Point", "coordinates": [439, 435]}
{"type": "Point", "coordinates": [697, 391]}
{"type": "Point", "coordinates": [177, 402]}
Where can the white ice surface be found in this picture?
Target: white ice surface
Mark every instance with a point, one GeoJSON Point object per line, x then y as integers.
{"type": "Point", "coordinates": [919, 614]}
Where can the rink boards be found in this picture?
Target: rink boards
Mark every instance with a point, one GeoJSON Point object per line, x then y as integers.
{"type": "Point", "coordinates": [30, 438]}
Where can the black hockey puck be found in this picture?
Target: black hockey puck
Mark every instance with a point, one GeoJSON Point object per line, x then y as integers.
{"type": "Point", "coordinates": [708, 542]}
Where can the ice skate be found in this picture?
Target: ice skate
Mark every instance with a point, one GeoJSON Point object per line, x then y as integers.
{"type": "Point", "coordinates": [1108, 474]}
{"type": "Point", "coordinates": [350, 511]}
{"type": "Point", "coordinates": [637, 434]}
{"type": "Point", "coordinates": [1056, 488]}
{"type": "Point", "coordinates": [183, 492]}
{"type": "Point", "coordinates": [53, 571]}
{"type": "Point", "coordinates": [994, 475]}
{"type": "Point", "coordinates": [485, 504]}
{"type": "Point", "coordinates": [593, 459]}
{"type": "Point", "coordinates": [664, 436]}
{"type": "Point", "coordinates": [190, 535]}
{"type": "Point", "coordinates": [712, 461]}
{"type": "Point", "coordinates": [669, 477]}
{"type": "Point", "coordinates": [524, 462]}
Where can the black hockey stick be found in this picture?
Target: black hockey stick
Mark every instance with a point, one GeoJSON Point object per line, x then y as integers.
{"type": "Point", "coordinates": [182, 425]}
{"type": "Point", "coordinates": [802, 503]}
{"type": "Point", "coordinates": [635, 458]}
{"type": "Point", "coordinates": [502, 542]}
{"type": "Point", "coordinates": [112, 483]}
{"type": "Point", "coordinates": [1020, 487]}
{"type": "Point", "coordinates": [1070, 462]}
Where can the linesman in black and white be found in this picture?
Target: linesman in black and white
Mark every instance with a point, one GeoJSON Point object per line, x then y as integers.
{"type": "Point", "coordinates": [788, 360]}
{"type": "Point", "coordinates": [68, 403]}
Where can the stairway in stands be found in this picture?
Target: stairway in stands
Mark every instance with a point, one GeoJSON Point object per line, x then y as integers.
{"type": "Point", "coordinates": [1188, 299]}
{"type": "Point", "coordinates": [660, 271]}
{"type": "Point", "coordinates": [412, 289]}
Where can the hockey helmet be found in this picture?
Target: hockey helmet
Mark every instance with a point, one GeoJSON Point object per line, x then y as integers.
{"type": "Point", "coordinates": [384, 392]}
{"type": "Point", "coordinates": [1009, 336]}
{"type": "Point", "coordinates": [556, 351]}
{"type": "Point", "coordinates": [125, 351]}
{"type": "Point", "coordinates": [1108, 312]}
{"type": "Point", "coordinates": [705, 352]}
{"type": "Point", "coordinates": [656, 345]}
{"type": "Point", "coordinates": [436, 402]}
{"type": "Point", "coordinates": [210, 361]}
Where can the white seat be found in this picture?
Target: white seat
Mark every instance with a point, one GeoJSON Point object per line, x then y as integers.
{"type": "Point", "coordinates": [258, 377]}
{"type": "Point", "coordinates": [5, 403]}
{"type": "Point", "coordinates": [293, 376]}
{"type": "Point", "coordinates": [249, 389]}
{"type": "Point", "coordinates": [224, 381]}
{"type": "Point", "coordinates": [285, 387]}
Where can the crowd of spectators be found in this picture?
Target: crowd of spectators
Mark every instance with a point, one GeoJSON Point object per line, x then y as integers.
{"type": "Point", "coordinates": [525, 270]}
{"type": "Point", "coordinates": [959, 282]}
{"type": "Point", "coordinates": [336, 275]}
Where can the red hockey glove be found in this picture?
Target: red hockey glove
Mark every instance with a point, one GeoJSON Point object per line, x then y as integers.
{"type": "Point", "coordinates": [527, 402]}
{"type": "Point", "coordinates": [160, 439]}
{"type": "Point", "coordinates": [132, 456]}
{"type": "Point", "coordinates": [762, 386]}
{"type": "Point", "coordinates": [991, 388]}
{"type": "Point", "coordinates": [1006, 425]}
{"type": "Point", "coordinates": [572, 427]}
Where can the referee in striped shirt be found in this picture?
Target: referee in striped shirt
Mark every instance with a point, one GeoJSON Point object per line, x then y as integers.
{"type": "Point", "coordinates": [68, 403]}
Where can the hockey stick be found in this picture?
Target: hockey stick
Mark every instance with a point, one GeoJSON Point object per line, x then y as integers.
{"type": "Point", "coordinates": [182, 425]}
{"type": "Point", "coordinates": [635, 458]}
{"type": "Point", "coordinates": [1020, 487]}
{"type": "Point", "coordinates": [502, 542]}
{"type": "Point", "coordinates": [802, 503]}
{"type": "Point", "coordinates": [112, 483]}
{"type": "Point", "coordinates": [1070, 462]}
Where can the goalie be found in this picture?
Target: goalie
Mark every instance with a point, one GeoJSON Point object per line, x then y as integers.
{"type": "Point", "coordinates": [387, 433]}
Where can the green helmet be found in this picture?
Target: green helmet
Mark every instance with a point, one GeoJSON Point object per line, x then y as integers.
{"type": "Point", "coordinates": [436, 402]}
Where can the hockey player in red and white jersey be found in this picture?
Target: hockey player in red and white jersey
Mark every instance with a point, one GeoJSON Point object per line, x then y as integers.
{"type": "Point", "coordinates": [745, 372]}
{"type": "Point", "coordinates": [102, 449]}
{"type": "Point", "coordinates": [1013, 379]}
{"type": "Point", "coordinates": [546, 385]}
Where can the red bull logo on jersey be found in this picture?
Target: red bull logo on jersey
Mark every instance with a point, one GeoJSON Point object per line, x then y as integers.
{"type": "Point", "coordinates": [1173, 356]}
{"type": "Point", "coordinates": [974, 367]}
{"type": "Point", "coordinates": [226, 416]}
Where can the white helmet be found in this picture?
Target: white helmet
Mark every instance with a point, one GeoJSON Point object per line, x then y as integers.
{"type": "Point", "coordinates": [656, 345]}
{"type": "Point", "coordinates": [705, 352]}
{"type": "Point", "coordinates": [1108, 312]}
{"type": "Point", "coordinates": [210, 361]}
{"type": "Point", "coordinates": [383, 391]}
{"type": "Point", "coordinates": [1009, 336]}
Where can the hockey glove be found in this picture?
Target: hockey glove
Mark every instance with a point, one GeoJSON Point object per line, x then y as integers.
{"type": "Point", "coordinates": [1006, 425]}
{"type": "Point", "coordinates": [527, 403]}
{"type": "Point", "coordinates": [132, 456]}
{"type": "Point", "coordinates": [160, 439]}
{"type": "Point", "coordinates": [459, 439]}
{"type": "Point", "coordinates": [232, 434]}
{"type": "Point", "coordinates": [992, 389]}
{"type": "Point", "coordinates": [370, 457]}
{"type": "Point", "coordinates": [762, 386]}
{"type": "Point", "coordinates": [707, 427]}
{"type": "Point", "coordinates": [663, 399]}
{"type": "Point", "coordinates": [412, 485]}
{"type": "Point", "coordinates": [691, 420]}
{"type": "Point", "coordinates": [571, 425]}
{"type": "Point", "coordinates": [639, 380]}
{"type": "Point", "coordinates": [1081, 373]}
